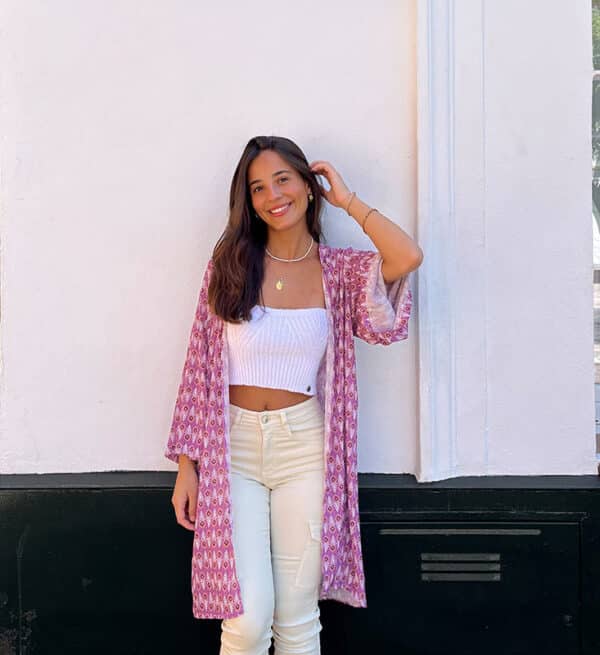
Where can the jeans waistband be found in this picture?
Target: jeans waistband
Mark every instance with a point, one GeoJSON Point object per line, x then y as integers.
{"type": "Point", "coordinates": [284, 415]}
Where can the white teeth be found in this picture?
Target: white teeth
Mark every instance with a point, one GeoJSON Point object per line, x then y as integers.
{"type": "Point", "coordinates": [280, 210]}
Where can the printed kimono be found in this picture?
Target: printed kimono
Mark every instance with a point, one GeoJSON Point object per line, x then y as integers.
{"type": "Point", "coordinates": [359, 304]}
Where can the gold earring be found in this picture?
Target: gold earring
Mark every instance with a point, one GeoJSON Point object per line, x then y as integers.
{"type": "Point", "coordinates": [310, 196]}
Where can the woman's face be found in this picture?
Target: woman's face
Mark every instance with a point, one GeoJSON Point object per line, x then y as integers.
{"type": "Point", "coordinates": [274, 184]}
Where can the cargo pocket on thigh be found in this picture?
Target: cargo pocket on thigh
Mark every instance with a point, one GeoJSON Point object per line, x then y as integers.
{"type": "Point", "coordinates": [308, 575]}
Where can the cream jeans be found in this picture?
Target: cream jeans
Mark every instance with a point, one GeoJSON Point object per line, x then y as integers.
{"type": "Point", "coordinates": [277, 503]}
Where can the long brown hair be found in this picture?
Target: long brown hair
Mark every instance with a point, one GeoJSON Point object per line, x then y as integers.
{"type": "Point", "coordinates": [238, 256]}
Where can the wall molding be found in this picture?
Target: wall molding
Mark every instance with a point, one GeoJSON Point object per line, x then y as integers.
{"type": "Point", "coordinates": [451, 293]}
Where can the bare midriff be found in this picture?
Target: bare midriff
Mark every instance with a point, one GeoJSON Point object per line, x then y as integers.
{"type": "Point", "coordinates": [259, 399]}
{"type": "Point", "coordinates": [303, 288]}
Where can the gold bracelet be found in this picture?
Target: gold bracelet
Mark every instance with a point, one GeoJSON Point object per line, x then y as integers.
{"type": "Point", "coordinates": [351, 199]}
{"type": "Point", "coordinates": [367, 216]}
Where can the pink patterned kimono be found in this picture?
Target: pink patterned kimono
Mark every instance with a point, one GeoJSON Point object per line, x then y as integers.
{"type": "Point", "coordinates": [359, 304]}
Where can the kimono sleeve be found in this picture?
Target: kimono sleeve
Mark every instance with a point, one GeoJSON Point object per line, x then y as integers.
{"type": "Point", "coordinates": [185, 425]}
{"type": "Point", "coordinates": [380, 310]}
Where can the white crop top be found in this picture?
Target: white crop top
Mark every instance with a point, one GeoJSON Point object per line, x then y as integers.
{"type": "Point", "coordinates": [278, 348]}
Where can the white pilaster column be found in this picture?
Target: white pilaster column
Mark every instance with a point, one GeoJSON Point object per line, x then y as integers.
{"type": "Point", "coordinates": [452, 298]}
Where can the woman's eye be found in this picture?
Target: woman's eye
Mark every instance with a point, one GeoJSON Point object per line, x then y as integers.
{"type": "Point", "coordinates": [281, 179]}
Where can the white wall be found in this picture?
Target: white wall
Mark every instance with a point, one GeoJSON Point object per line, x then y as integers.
{"type": "Point", "coordinates": [121, 126]}
{"type": "Point", "coordinates": [540, 257]}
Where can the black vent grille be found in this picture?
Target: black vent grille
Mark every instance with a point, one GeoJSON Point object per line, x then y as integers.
{"type": "Point", "coordinates": [460, 567]}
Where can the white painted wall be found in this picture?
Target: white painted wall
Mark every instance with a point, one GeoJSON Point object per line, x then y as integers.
{"type": "Point", "coordinates": [121, 125]}
{"type": "Point", "coordinates": [538, 209]}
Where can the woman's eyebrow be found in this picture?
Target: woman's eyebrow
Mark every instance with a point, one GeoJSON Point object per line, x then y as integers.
{"type": "Point", "coordinates": [285, 170]}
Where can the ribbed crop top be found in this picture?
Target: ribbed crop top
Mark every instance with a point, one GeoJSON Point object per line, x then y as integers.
{"type": "Point", "coordinates": [278, 348]}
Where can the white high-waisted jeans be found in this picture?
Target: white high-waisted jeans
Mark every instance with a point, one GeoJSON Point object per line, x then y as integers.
{"type": "Point", "coordinates": [277, 503]}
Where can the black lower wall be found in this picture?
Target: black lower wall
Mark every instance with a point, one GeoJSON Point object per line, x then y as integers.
{"type": "Point", "coordinates": [96, 563]}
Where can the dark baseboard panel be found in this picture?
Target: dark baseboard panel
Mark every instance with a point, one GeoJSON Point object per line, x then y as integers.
{"type": "Point", "coordinates": [160, 479]}
{"type": "Point", "coordinates": [95, 562]}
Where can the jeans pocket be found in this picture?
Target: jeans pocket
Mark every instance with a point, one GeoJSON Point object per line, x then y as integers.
{"type": "Point", "coordinates": [308, 575]}
{"type": "Point", "coordinates": [305, 429]}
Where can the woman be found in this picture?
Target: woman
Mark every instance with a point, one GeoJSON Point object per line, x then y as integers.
{"type": "Point", "coordinates": [264, 427]}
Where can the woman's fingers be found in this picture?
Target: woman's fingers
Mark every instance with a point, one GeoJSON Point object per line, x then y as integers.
{"type": "Point", "coordinates": [184, 499]}
{"type": "Point", "coordinates": [192, 505]}
{"type": "Point", "coordinates": [181, 513]}
{"type": "Point", "coordinates": [319, 164]}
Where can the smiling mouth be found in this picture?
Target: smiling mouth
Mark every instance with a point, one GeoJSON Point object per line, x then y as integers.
{"type": "Point", "coordinates": [281, 211]}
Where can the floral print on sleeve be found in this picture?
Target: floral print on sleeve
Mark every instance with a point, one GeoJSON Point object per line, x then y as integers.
{"type": "Point", "coordinates": [184, 435]}
{"type": "Point", "coordinates": [380, 311]}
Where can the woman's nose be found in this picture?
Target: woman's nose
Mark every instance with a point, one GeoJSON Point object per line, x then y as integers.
{"type": "Point", "coordinates": [273, 192]}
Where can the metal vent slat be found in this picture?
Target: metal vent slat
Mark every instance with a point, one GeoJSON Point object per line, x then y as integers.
{"type": "Point", "coordinates": [482, 557]}
{"type": "Point", "coordinates": [460, 566]}
{"type": "Point", "coordinates": [460, 577]}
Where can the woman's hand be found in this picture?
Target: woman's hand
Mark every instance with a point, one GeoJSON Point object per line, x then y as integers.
{"type": "Point", "coordinates": [339, 194]}
{"type": "Point", "coordinates": [185, 493]}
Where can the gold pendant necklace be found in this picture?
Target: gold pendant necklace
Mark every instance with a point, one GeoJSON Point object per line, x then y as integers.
{"type": "Point", "coordinates": [279, 283]}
